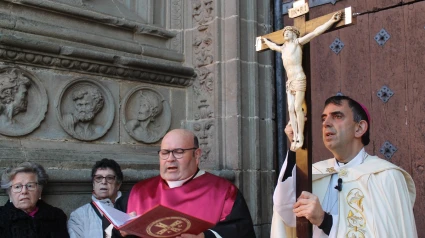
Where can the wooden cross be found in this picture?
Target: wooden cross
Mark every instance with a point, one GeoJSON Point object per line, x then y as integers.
{"type": "Point", "coordinates": [303, 158]}
{"type": "Point", "coordinates": [306, 27]}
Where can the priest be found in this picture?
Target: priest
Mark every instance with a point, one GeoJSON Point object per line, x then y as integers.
{"type": "Point", "coordinates": [182, 186]}
{"type": "Point", "coordinates": [354, 194]}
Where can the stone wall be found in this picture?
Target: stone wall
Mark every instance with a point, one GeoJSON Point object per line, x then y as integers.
{"type": "Point", "coordinates": [81, 76]}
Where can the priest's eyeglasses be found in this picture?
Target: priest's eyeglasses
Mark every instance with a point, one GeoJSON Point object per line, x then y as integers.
{"type": "Point", "coordinates": [99, 178]}
{"type": "Point", "coordinates": [17, 188]}
{"type": "Point", "coordinates": [177, 153]}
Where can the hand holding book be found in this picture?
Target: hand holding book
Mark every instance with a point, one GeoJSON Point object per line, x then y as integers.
{"type": "Point", "coordinates": [160, 221]}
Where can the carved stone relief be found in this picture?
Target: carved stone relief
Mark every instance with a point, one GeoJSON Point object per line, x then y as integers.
{"type": "Point", "coordinates": [135, 73]}
{"type": "Point", "coordinates": [23, 102]}
{"type": "Point", "coordinates": [204, 112]}
{"type": "Point", "coordinates": [85, 109]}
{"type": "Point", "coordinates": [202, 11]}
{"type": "Point", "coordinates": [205, 82]}
{"type": "Point", "coordinates": [204, 130]}
{"type": "Point", "coordinates": [203, 86]}
{"type": "Point", "coordinates": [203, 47]}
{"type": "Point", "coordinates": [145, 114]}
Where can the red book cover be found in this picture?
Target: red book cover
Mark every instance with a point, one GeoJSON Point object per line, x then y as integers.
{"type": "Point", "coordinates": [159, 222]}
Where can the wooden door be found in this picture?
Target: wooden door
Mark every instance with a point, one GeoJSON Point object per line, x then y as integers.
{"type": "Point", "coordinates": [384, 53]}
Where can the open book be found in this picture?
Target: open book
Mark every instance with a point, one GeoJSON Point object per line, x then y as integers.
{"type": "Point", "coordinates": [160, 221]}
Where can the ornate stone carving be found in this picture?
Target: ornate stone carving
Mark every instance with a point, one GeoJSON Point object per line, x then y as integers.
{"type": "Point", "coordinates": [202, 11]}
{"type": "Point", "coordinates": [202, 14]}
{"type": "Point", "coordinates": [204, 130]}
{"type": "Point", "coordinates": [205, 82]}
{"type": "Point", "coordinates": [92, 68]}
{"type": "Point", "coordinates": [23, 102]}
{"type": "Point", "coordinates": [85, 109]}
{"type": "Point", "coordinates": [145, 114]}
{"type": "Point", "coordinates": [204, 112]}
{"type": "Point", "coordinates": [203, 48]}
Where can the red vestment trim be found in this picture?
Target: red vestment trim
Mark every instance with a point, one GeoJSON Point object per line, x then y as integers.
{"type": "Point", "coordinates": [207, 197]}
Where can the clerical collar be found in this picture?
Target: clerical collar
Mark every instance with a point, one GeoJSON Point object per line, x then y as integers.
{"type": "Point", "coordinates": [357, 160]}
{"type": "Point", "coordinates": [175, 184]}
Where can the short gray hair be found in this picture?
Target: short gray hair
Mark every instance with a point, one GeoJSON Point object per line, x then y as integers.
{"type": "Point", "coordinates": [25, 167]}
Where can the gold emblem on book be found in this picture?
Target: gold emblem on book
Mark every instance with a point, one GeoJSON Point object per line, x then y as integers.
{"type": "Point", "coordinates": [168, 227]}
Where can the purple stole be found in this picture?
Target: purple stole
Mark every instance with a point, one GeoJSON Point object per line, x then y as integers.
{"type": "Point", "coordinates": [207, 197]}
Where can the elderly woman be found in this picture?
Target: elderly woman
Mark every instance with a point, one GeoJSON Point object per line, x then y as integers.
{"type": "Point", "coordinates": [86, 221]}
{"type": "Point", "coordinates": [25, 214]}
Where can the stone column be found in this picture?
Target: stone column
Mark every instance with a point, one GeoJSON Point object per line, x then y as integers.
{"type": "Point", "coordinates": [231, 106]}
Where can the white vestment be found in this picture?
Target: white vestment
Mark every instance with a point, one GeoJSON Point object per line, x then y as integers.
{"type": "Point", "coordinates": [376, 199]}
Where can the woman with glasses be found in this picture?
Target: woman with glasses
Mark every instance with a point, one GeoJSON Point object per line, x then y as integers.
{"type": "Point", "coordinates": [86, 221]}
{"type": "Point", "coordinates": [25, 214]}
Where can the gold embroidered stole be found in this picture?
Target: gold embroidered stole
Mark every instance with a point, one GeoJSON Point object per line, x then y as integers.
{"type": "Point", "coordinates": [354, 206]}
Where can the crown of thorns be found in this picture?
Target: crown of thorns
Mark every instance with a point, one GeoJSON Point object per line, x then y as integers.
{"type": "Point", "coordinates": [291, 28]}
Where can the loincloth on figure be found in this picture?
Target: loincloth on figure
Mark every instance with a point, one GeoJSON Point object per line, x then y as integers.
{"type": "Point", "coordinates": [296, 85]}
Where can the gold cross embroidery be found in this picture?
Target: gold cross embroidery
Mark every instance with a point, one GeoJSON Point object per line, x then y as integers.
{"type": "Point", "coordinates": [331, 170]}
{"type": "Point", "coordinates": [343, 173]}
{"type": "Point", "coordinates": [172, 227]}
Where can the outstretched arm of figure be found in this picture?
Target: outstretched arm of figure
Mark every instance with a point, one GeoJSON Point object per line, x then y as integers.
{"type": "Point", "coordinates": [271, 45]}
{"type": "Point", "coordinates": [320, 29]}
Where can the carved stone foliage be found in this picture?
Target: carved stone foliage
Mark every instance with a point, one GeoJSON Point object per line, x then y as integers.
{"type": "Point", "coordinates": [146, 115]}
{"type": "Point", "coordinates": [85, 109]}
{"type": "Point", "coordinates": [203, 86]}
{"type": "Point", "coordinates": [203, 48]}
{"type": "Point", "coordinates": [23, 102]}
{"type": "Point", "coordinates": [202, 44]}
{"type": "Point", "coordinates": [202, 11]}
{"type": "Point", "coordinates": [205, 82]}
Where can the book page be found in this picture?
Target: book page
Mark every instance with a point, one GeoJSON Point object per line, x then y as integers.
{"type": "Point", "coordinates": [115, 216]}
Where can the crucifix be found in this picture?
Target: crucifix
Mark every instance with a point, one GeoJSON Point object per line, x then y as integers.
{"type": "Point", "coordinates": [297, 71]}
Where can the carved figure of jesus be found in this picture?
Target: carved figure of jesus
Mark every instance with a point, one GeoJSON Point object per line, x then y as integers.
{"type": "Point", "coordinates": [291, 51]}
